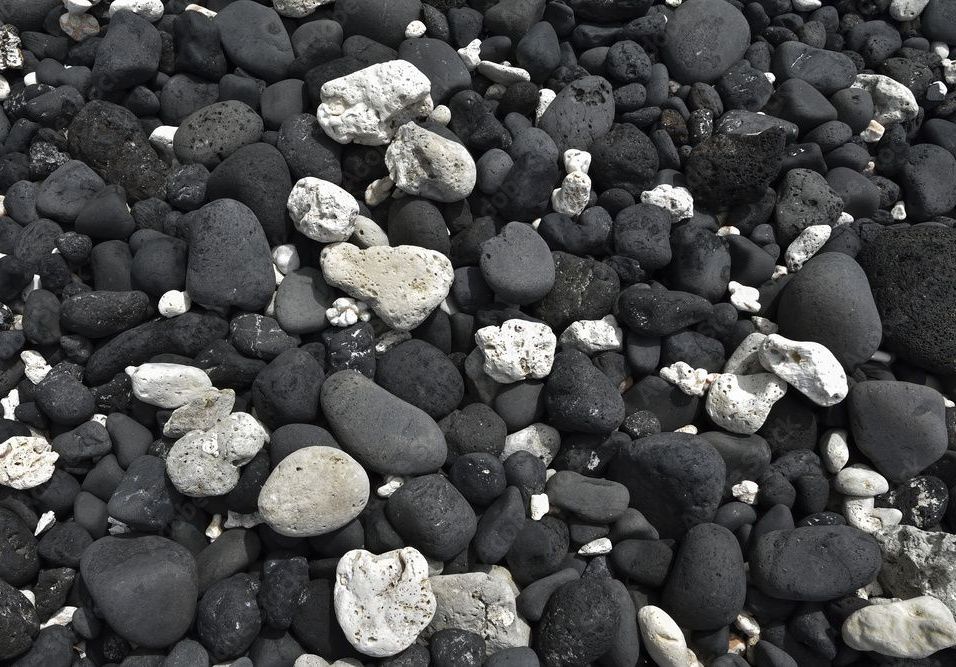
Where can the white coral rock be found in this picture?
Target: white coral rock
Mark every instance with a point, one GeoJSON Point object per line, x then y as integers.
{"type": "Point", "coordinates": [368, 106]}
{"type": "Point", "coordinates": [322, 210]}
{"type": "Point", "coordinates": [424, 163]}
{"type": "Point", "coordinates": [346, 311]}
{"type": "Point", "coordinates": [741, 403]}
{"type": "Point", "coordinates": [573, 195]}
{"type": "Point", "coordinates": [677, 200]}
{"type": "Point", "coordinates": [808, 367]}
{"type": "Point", "coordinates": [692, 381]}
{"type": "Point", "coordinates": [806, 245]}
{"type": "Point", "coordinates": [593, 336]}
{"type": "Point", "coordinates": [892, 101]}
{"type": "Point", "coordinates": [26, 462]}
{"type": "Point", "coordinates": [517, 350]}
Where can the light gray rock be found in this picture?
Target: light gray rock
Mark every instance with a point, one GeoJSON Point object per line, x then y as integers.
{"type": "Point", "coordinates": [741, 403]}
{"type": "Point", "coordinates": [200, 413]}
{"type": "Point", "coordinates": [912, 629]}
{"type": "Point", "coordinates": [383, 602]}
{"type": "Point", "coordinates": [918, 562]}
{"type": "Point", "coordinates": [313, 491]}
{"type": "Point", "coordinates": [424, 163]}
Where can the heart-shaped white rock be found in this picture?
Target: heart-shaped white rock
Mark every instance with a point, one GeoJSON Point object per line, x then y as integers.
{"type": "Point", "coordinates": [403, 285]}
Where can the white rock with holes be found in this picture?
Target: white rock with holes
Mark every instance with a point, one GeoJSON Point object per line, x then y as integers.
{"type": "Point", "coordinates": [746, 491]}
{"type": "Point", "coordinates": [744, 297]}
{"type": "Point", "coordinates": [576, 160]}
{"type": "Point", "coordinates": [862, 513]}
{"type": "Point", "coordinates": [383, 602]}
{"type": "Point", "coordinates": [892, 101]}
{"type": "Point", "coordinates": [174, 303]}
{"type": "Point", "coordinates": [808, 367]}
{"type": "Point", "coordinates": [151, 10]}
{"type": "Point", "coordinates": [911, 629]}
{"type": "Point", "coordinates": [692, 381]}
{"type": "Point", "coordinates": [663, 638]}
{"type": "Point", "coordinates": [201, 413]}
{"type": "Point", "coordinates": [403, 285]}
{"type": "Point", "coordinates": [322, 210]}
{"type": "Point", "coordinates": [427, 164]}
{"type": "Point", "coordinates": [806, 245]}
{"type": "Point", "coordinates": [196, 467]}
{"type": "Point", "coordinates": [517, 350]}
{"type": "Point", "coordinates": [573, 195]}
{"type": "Point", "coordinates": [907, 10]}
{"type": "Point", "coordinates": [545, 97]}
{"type": "Point", "coordinates": [741, 403]}
{"type": "Point", "coordinates": [167, 385]}
{"type": "Point", "coordinates": [35, 366]}
{"type": "Point", "coordinates": [26, 462]}
{"type": "Point", "coordinates": [538, 439]}
{"type": "Point", "coordinates": [367, 233]}
{"type": "Point", "coordinates": [858, 480]}
{"type": "Point", "coordinates": [368, 106]}
{"type": "Point", "coordinates": [677, 200]}
{"type": "Point", "coordinates": [240, 437]}
{"type": "Point", "coordinates": [593, 336]}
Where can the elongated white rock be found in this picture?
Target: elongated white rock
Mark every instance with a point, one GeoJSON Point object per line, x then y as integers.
{"type": "Point", "coordinates": [912, 629]}
{"type": "Point", "coordinates": [369, 105]}
{"type": "Point", "coordinates": [663, 638]}
{"type": "Point", "coordinates": [167, 385]}
{"type": "Point", "coordinates": [517, 350]}
{"type": "Point", "coordinates": [741, 403]}
{"type": "Point", "coordinates": [383, 602]}
{"type": "Point", "coordinates": [860, 481]}
{"type": "Point", "coordinates": [806, 246]}
{"type": "Point", "coordinates": [808, 367]}
{"type": "Point", "coordinates": [424, 163]}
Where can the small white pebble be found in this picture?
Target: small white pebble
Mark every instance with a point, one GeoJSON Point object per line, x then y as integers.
{"type": "Point", "coordinates": [346, 311]}
{"type": "Point", "coordinates": [770, 76]}
{"type": "Point", "coordinates": [806, 245]}
{"type": "Point", "coordinates": [576, 160]}
{"type": "Point", "coordinates": [9, 404]}
{"type": "Point", "coordinates": [598, 547]}
{"type": "Point", "coordinates": [47, 519]}
{"type": "Point", "coordinates": [898, 212]}
{"type": "Point", "coordinates": [728, 230]}
{"type": "Point", "coordinates": [692, 381]}
{"type": "Point", "coordinates": [779, 271]}
{"type": "Point", "coordinates": [392, 484]}
{"type": "Point", "coordinates": [30, 79]}
{"type": "Point", "coordinates": [117, 527]}
{"type": "Point", "coordinates": [835, 449]}
{"type": "Point", "coordinates": [415, 29]}
{"type": "Point", "coordinates": [161, 139]}
{"type": "Point", "coordinates": [237, 520]}
{"type": "Point", "coordinates": [746, 491]}
{"type": "Point", "coordinates": [174, 302]}
{"type": "Point", "coordinates": [873, 132]}
{"type": "Point", "coordinates": [744, 298]}
{"type": "Point", "coordinates": [539, 505]}
{"type": "Point", "coordinates": [688, 428]}
{"type": "Point", "coordinates": [441, 115]}
{"type": "Point", "coordinates": [471, 54]}
{"type": "Point", "coordinates": [673, 4]}
{"type": "Point", "coordinates": [502, 73]}
{"type": "Point", "coordinates": [940, 48]}
{"type": "Point", "coordinates": [35, 366]}
{"type": "Point", "coordinates": [948, 403]}
{"type": "Point", "coordinates": [883, 357]}
{"type": "Point", "coordinates": [845, 218]}
{"type": "Point", "coordinates": [214, 529]}
{"type": "Point", "coordinates": [545, 98]}
{"type": "Point", "coordinates": [63, 617]}
{"type": "Point", "coordinates": [378, 191]}
{"type": "Point", "coordinates": [389, 339]}
{"type": "Point", "coordinates": [99, 419]}
{"type": "Point", "coordinates": [747, 624]}
{"type": "Point", "coordinates": [286, 258]}
{"type": "Point", "coordinates": [30, 596]}
{"type": "Point", "coordinates": [949, 71]}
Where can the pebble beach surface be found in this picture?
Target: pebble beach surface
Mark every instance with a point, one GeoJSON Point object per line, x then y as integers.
{"type": "Point", "coordinates": [477, 333]}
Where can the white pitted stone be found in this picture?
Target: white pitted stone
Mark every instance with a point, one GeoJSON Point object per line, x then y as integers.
{"type": "Point", "coordinates": [174, 303]}
{"type": "Point", "coordinates": [286, 258]}
{"type": "Point", "coordinates": [835, 449]}
{"type": "Point", "coordinates": [9, 403]}
{"type": "Point", "coordinates": [808, 367]}
{"type": "Point", "coordinates": [310, 660]}
{"type": "Point", "coordinates": [573, 195]}
{"type": "Point", "coordinates": [545, 97]}
{"type": "Point", "coordinates": [744, 297]}
{"type": "Point", "coordinates": [441, 115]}
{"type": "Point", "coordinates": [862, 513]}
{"type": "Point", "coordinates": [538, 506]}
{"type": "Point", "coordinates": [200, 413]}
{"type": "Point", "coordinates": [378, 191]}
{"type": "Point", "coordinates": [240, 437]}
{"type": "Point", "coordinates": [415, 29]}
{"type": "Point", "coordinates": [779, 271]}
{"type": "Point", "coordinates": [11, 55]}
{"type": "Point", "coordinates": [741, 403]}
{"type": "Point", "coordinates": [746, 491]}
{"type": "Point", "coordinates": [313, 491]}
{"type": "Point", "coordinates": [692, 381]}
{"type": "Point", "coordinates": [861, 481]}
{"type": "Point", "coordinates": [26, 462]}
{"type": "Point", "coordinates": [346, 311]}
{"type": "Point", "coordinates": [940, 48]}
{"type": "Point", "coordinates": [728, 230]}
{"type": "Point", "coordinates": [167, 385]}
{"type": "Point", "coordinates": [892, 101]}
{"type": "Point", "coordinates": [322, 210]}
{"type": "Point", "coordinates": [427, 164]}
{"type": "Point", "coordinates": [598, 547]}
{"type": "Point", "coordinates": [471, 54]}
{"type": "Point", "coordinates": [237, 520]}
{"type": "Point", "coordinates": [898, 212]}
{"type": "Point", "coordinates": [539, 439]}
{"type": "Point", "coordinates": [517, 350]}
{"type": "Point", "coordinates": [677, 200]}
{"type": "Point", "coordinates": [663, 638]}
{"type": "Point", "coordinates": [151, 10]}
{"type": "Point", "coordinates": [911, 629]}
{"type": "Point", "coordinates": [367, 233]}
{"type": "Point", "coordinates": [297, 9]}
{"type": "Point", "coordinates": [502, 73]}
{"type": "Point", "coordinates": [483, 603]}
{"type": "Point", "coordinates": [593, 336]}
{"type": "Point", "coordinates": [35, 366]}
{"type": "Point", "coordinates": [918, 562]}
{"type": "Point", "coordinates": [368, 106]}
{"type": "Point", "coordinates": [576, 160]}
{"type": "Point", "coordinates": [806, 245]}
{"type": "Point", "coordinates": [907, 10]}
{"type": "Point", "coordinates": [403, 285]}
{"type": "Point", "coordinates": [196, 467]}
{"type": "Point", "coordinates": [383, 602]}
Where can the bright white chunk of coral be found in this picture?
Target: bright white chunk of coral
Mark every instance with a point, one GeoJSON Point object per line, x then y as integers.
{"type": "Point", "coordinates": [346, 311]}
{"type": "Point", "coordinates": [517, 350]}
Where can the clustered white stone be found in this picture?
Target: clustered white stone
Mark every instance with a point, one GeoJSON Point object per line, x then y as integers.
{"type": "Point", "coordinates": [346, 311]}
{"type": "Point", "coordinates": [575, 191]}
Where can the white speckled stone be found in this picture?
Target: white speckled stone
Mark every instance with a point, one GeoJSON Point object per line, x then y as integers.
{"type": "Point", "coordinates": [517, 350]}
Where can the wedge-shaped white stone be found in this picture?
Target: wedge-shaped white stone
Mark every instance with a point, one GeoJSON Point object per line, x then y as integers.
{"type": "Point", "coordinates": [808, 367]}
{"type": "Point", "coordinates": [26, 462]}
{"type": "Point", "coordinates": [912, 629]}
{"type": "Point", "coordinates": [402, 285]}
{"type": "Point", "coordinates": [424, 163]}
{"type": "Point", "coordinates": [383, 602]}
{"type": "Point", "coordinates": [806, 245]}
{"type": "Point", "coordinates": [741, 403]}
{"type": "Point", "coordinates": [369, 105]}
{"type": "Point", "coordinates": [593, 336]}
{"type": "Point", "coordinates": [539, 439]}
{"type": "Point", "coordinates": [517, 350]}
